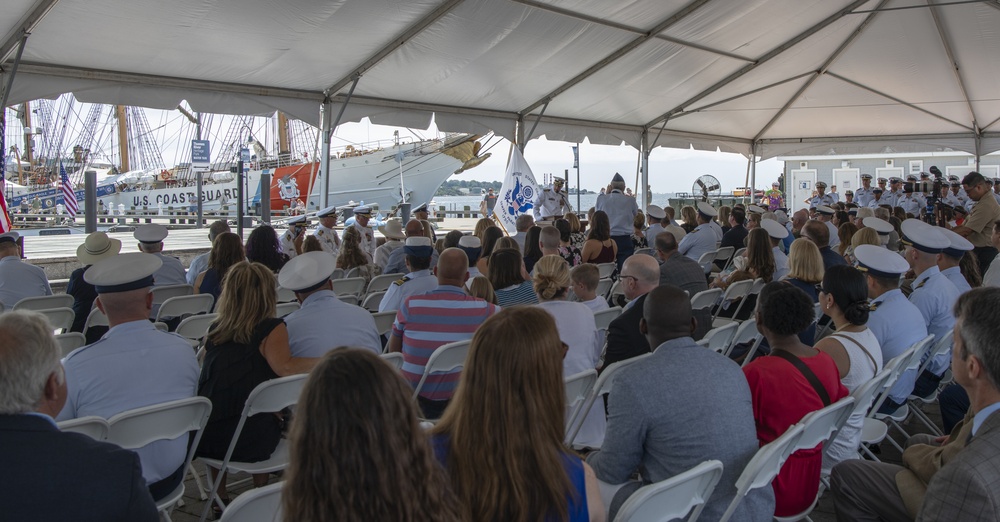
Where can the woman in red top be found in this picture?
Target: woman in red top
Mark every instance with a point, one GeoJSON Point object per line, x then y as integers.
{"type": "Point", "coordinates": [782, 394]}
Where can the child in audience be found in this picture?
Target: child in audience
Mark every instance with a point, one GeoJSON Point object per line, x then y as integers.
{"type": "Point", "coordinates": [583, 281]}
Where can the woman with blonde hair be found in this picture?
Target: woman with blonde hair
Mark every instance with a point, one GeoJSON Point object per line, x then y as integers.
{"type": "Point", "coordinates": [481, 287]}
{"type": "Point", "coordinates": [481, 227]}
{"type": "Point", "coordinates": [805, 266]}
{"type": "Point", "coordinates": [864, 236]}
{"type": "Point", "coordinates": [689, 217]}
{"type": "Point", "coordinates": [501, 438]}
{"type": "Point", "coordinates": [356, 448]}
{"type": "Point", "coordinates": [577, 330]}
{"type": "Point", "coordinates": [353, 256]}
{"type": "Point", "coordinates": [723, 218]}
{"type": "Point", "coordinates": [245, 346]}
{"type": "Point", "coordinates": [638, 231]}
{"type": "Point", "coordinates": [577, 237]}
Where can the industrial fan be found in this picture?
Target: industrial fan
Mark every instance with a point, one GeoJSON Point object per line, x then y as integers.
{"type": "Point", "coordinates": [708, 187]}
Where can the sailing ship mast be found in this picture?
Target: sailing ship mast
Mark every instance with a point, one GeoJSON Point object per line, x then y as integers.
{"type": "Point", "coordinates": [122, 137]}
{"type": "Point", "coordinates": [283, 149]}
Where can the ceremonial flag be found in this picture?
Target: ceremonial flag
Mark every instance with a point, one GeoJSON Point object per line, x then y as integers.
{"type": "Point", "coordinates": [5, 225]}
{"type": "Point", "coordinates": [518, 192]}
{"type": "Point", "coordinates": [69, 197]}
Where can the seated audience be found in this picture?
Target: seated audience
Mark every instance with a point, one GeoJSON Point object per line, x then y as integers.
{"type": "Point", "coordinates": [508, 417]}
{"type": "Point", "coordinates": [419, 255]}
{"type": "Point", "coordinates": [577, 236]}
{"type": "Point", "coordinates": [736, 234]}
{"type": "Point", "coordinates": [676, 435]}
{"type": "Point", "coordinates": [17, 278]}
{"type": "Point", "coordinates": [532, 249]}
{"type": "Point", "coordinates": [782, 394]}
{"type": "Point", "coordinates": [200, 263]}
{"type": "Point", "coordinates": [392, 230]}
{"type": "Point", "coordinates": [263, 247]}
{"type": "Point", "coordinates": [584, 279]}
{"type": "Point", "coordinates": [599, 248]}
{"type": "Point", "coordinates": [509, 278]}
{"type": "Point", "coordinates": [227, 250]}
{"type": "Point", "coordinates": [819, 234]}
{"type": "Point", "coordinates": [481, 225]}
{"type": "Point", "coordinates": [689, 219]}
{"type": "Point", "coordinates": [352, 256]}
{"type": "Point", "coordinates": [992, 275]}
{"type": "Point", "coordinates": [480, 287]}
{"type": "Point", "coordinates": [640, 274]}
{"type": "Point", "coordinates": [96, 247]}
{"type": "Point", "coordinates": [845, 233]}
{"type": "Point", "coordinates": [684, 273]}
{"type": "Point", "coordinates": [950, 259]}
{"type": "Point", "coordinates": [638, 231]}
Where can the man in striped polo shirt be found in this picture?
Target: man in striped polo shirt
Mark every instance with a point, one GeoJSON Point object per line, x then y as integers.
{"type": "Point", "coordinates": [426, 322]}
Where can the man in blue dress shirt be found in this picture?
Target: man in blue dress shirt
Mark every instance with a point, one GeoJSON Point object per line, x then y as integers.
{"type": "Point", "coordinates": [17, 278]}
{"type": "Point", "coordinates": [418, 280]}
{"type": "Point", "coordinates": [703, 238]}
{"type": "Point", "coordinates": [621, 210]}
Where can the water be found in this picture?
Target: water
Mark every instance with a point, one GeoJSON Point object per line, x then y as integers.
{"type": "Point", "coordinates": [586, 201]}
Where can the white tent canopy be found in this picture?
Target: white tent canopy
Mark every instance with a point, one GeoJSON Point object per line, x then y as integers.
{"type": "Point", "coordinates": [763, 76]}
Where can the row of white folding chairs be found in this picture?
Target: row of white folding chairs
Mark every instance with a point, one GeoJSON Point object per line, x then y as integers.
{"type": "Point", "coordinates": [708, 259]}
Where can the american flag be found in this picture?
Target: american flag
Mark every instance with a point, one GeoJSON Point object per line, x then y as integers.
{"type": "Point", "coordinates": [5, 225]}
{"type": "Point", "coordinates": [69, 197]}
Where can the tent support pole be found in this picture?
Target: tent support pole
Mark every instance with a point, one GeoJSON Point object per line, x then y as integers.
{"type": "Point", "coordinates": [979, 148]}
{"type": "Point", "coordinates": [647, 196]}
{"type": "Point", "coordinates": [535, 125]}
{"type": "Point", "coordinates": [328, 127]}
{"type": "Point", "coordinates": [3, 110]}
{"type": "Point", "coordinates": [13, 71]}
{"type": "Point", "coordinates": [753, 170]}
{"type": "Point", "coordinates": [519, 137]}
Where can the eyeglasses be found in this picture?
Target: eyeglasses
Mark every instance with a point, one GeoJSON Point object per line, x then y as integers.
{"type": "Point", "coordinates": [628, 277]}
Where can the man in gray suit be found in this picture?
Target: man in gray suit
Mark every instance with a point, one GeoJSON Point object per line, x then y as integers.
{"type": "Point", "coordinates": [683, 405]}
{"type": "Point", "coordinates": [684, 272]}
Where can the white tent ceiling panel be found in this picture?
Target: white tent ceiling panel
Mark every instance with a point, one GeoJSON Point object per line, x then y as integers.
{"type": "Point", "coordinates": [576, 132]}
{"type": "Point", "coordinates": [912, 144]}
{"type": "Point", "coordinates": [733, 118]}
{"type": "Point", "coordinates": [477, 124]}
{"type": "Point", "coordinates": [639, 14]}
{"type": "Point", "coordinates": [974, 35]}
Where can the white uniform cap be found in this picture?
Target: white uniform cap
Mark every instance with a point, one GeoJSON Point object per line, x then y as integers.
{"type": "Point", "coordinates": [755, 209]}
{"type": "Point", "coordinates": [959, 245]}
{"type": "Point", "coordinates": [656, 212]}
{"type": "Point", "coordinates": [151, 233]}
{"type": "Point", "coordinates": [11, 237]}
{"type": "Point", "coordinates": [823, 209]}
{"type": "Point", "coordinates": [327, 212]}
{"type": "Point", "coordinates": [363, 209]}
{"type": "Point", "coordinates": [881, 226]}
{"type": "Point", "coordinates": [924, 237]}
{"type": "Point", "coordinates": [96, 247]}
{"type": "Point", "coordinates": [470, 242]}
{"type": "Point", "coordinates": [774, 229]}
{"type": "Point", "coordinates": [705, 208]}
{"type": "Point", "coordinates": [123, 272]}
{"type": "Point", "coordinates": [419, 246]}
{"type": "Point", "coordinates": [880, 262]}
{"type": "Point", "coordinates": [306, 272]}
{"type": "Point", "coordinates": [782, 216]}
{"type": "Point", "coordinates": [297, 220]}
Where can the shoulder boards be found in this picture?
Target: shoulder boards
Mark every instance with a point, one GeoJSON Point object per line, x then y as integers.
{"type": "Point", "coordinates": [401, 281]}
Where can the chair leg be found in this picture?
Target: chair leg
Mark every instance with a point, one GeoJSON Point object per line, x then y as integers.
{"type": "Point", "coordinates": [197, 482]}
{"type": "Point", "coordinates": [923, 418]}
{"type": "Point", "coordinates": [865, 451]}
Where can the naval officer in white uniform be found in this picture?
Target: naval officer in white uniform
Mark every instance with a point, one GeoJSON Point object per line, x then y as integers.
{"type": "Point", "coordinates": [133, 365]}
{"type": "Point", "coordinates": [323, 322]}
{"type": "Point", "coordinates": [825, 214]}
{"type": "Point", "coordinates": [362, 215]}
{"type": "Point", "coordinates": [863, 196]}
{"type": "Point", "coordinates": [17, 278]}
{"type": "Point", "coordinates": [291, 240]}
{"type": "Point", "coordinates": [150, 239]}
{"type": "Point", "coordinates": [777, 232]}
{"type": "Point", "coordinates": [325, 233]}
{"type": "Point", "coordinates": [703, 238]}
{"type": "Point", "coordinates": [418, 280]}
{"type": "Point", "coordinates": [552, 203]}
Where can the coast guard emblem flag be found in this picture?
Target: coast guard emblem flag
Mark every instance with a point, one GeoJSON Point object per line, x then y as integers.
{"type": "Point", "coordinates": [517, 195]}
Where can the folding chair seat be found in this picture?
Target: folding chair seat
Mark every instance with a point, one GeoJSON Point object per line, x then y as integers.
{"type": "Point", "coordinates": [758, 285]}
{"type": "Point", "coordinates": [724, 254]}
{"type": "Point", "coordinates": [674, 498]}
{"type": "Point", "coordinates": [605, 381]}
{"type": "Point", "coordinates": [70, 341]}
{"type": "Point", "coordinates": [283, 309]}
{"type": "Point", "coordinates": [764, 466]}
{"type": "Point", "coordinates": [372, 300]}
{"type": "Point", "coordinates": [605, 270]}
{"type": "Point", "coordinates": [256, 505]}
{"type": "Point", "coordinates": [60, 319]}
{"type": "Point", "coordinates": [864, 395]}
{"type": "Point", "coordinates": [578, 387]}
{"type": "Point", "coordinates": [746, 333]}
{"type": "Point", "coordinates": [705, 299]}
{"type": "Point", "coordinates": [185, 305]}
{"type": "Point", "coordinates": [734, 291]}
{"type": "Point", "coordinates": [603, 287]}
{"type": "Point", "coordinates": [44, 302]}
{"type": "Point", "coordinates": [349, 286]}
{"type": "Point", "coordinates": [616, 290]}
{"type": "Point", "coordinates": [92, 426]}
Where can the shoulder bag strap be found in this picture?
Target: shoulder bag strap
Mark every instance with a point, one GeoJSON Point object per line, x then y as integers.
{"type": "Point", "coordinates": [863, 349]}
{"type": "Point", "coordinates": [807, 373]}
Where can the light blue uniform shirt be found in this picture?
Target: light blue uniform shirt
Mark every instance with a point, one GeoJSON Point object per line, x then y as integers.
{"type": "Point", "coordinates": [876, 203]}
{"type": "Point", "coordinates": [171, 273]}
{"type": "Point", "coordinates": [651, 233]}
{"type": "Point", "coordinates": [699, 241]}
{"type": "Point", "coordinates": [325, 322]}
{"type": "Point", "coordinates": [132, 366]}
{"type": "Point", "coordinates": [817, 201]}
{"type": "Point", "coordinates": [834, 234]}
{"type": "Point", "coordinates": [19, 280]}
{"type": "Point", "coordinates": [863, 196]}
{"type": "Point", "coordinates": [621, 211]}
{"type": "Point", "coordinates": [415, 283]}
{"type": "Point", "coordinates": [397, 262]}
{"type": "Point", "coordinates": [717, 230]}
{"type": "Point", "coordinates": [911, 204]}
{"type": "Point", "coordinates": [893, 196]}
{"type": "Point", "coordinates": [934, 295]}
{"type": "Point", "coordinates": [898, 325]}
{"type": "Point", "coordinates": [780, 264]}
{"type": "Point", "coordinates": [198, 265]}
{"type": "Point", "coordinates": [954, 274]}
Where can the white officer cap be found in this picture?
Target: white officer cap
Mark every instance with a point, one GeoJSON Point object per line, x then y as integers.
{"type": "Point", "coordinates": [297, 220]}
{"type": "Point", "coordinates": [756, 209]}
{"type": "Point", "coordinates": [472, 246]}
{"type": "Point", "coordinates": [774, 229]}
{"type": "Point", "coordinates": [781, 215]}
{"type": "Point", "coordinates": [924, 237]}
{"type": "Point", "coordinates": [418, 246]}
{"type": "Point", "coordinates": [151, 233]}
{"type": "Point", "coordinates": [866, 176]}
{"type": "Point", "coordinates": [825, 210]}
{"type": "Point", "coordinates": [656, 212]}
{"type": "Point", "coordinates": [9, 237]}
{"type": "Point", "coordinates": [363, 209]}
{"type": "Point", "coordinates": [880, 262]}
{"type": "Point", "coordinates": [959, 245]}
{"type": "Point", "coordinates": [327, 212]}
{"type": "Point", "coordinates": [123, 272]}
{"type": "Point", "coordinates": [881, 226]}
{"type": "Point", "coordinates": [821, 184]}
{"type": "Point", "coordinates": [307, 272]}
{"type": "Point", "coordinates": [706, 209]}
{"type": "Point", "coordinates": [96, 247]}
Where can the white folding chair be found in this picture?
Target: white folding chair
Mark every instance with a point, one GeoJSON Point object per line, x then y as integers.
{"type": "Point", "coordinates": [185, 305]}
{"type": "Point", "coordinates": [382, 283]}
{"type": "Point", "coordinates": [746, 333]}
{"type": "Point", "coordinates": [916, 354]}
{"type": "Point", "coordinates": [92, 426]}
{"type": "Point", "coordinates": [384, 321]}
{"type": "Point", "coordinates": [60, 319]}
{"type": "Point", "coordinates": [395, 359]}
{"type": "Point", "coordinates": [162, 293]}
{"type": "Point", "coordinates": [603, 318]}
{"type": "Point", "coordinates": [44, 302]}
{"type": "Point", "coordinates": [283, 309]}
{"type": "Point", "coordinates": [705, 299]}
{"type": "Point", "coordinates": [70, 341]}
{"type": "Point", "coordinates": [737, 290]}
{"type": "Point", "coordinates": [96, 318]}
{"type": "Point", "coordinates": [647, 251]}
{"type": "Point", "coordinates": [445, 359]}
{"type": "Point", "coordinates": [603, 287]}
{"type": "Point", "coordinates": [372, 300]}
{"type": "Point", "coordinates": [863, 397]}
{"type": "Point", "coordinates": [136, 428]}
{"type": "Point", "coordinates": [338, 273]}
{"type": "Point", "coordinates": [706, 259]}
{"type": "Point", "coordinates": [736, 254]}
{"type": "Point", "coordinates": [349, 299]}
{"type": "Point", "coordinates": [673, 498]}
{"type": "Point", "coordinates": [578, 387]}
{"type": "Point", "coordinates": [352, 273]}
{"type": "Point", "coordinates": [268, 397]}
{"type": "Point", "coordinates": [285, 295]}
{"type": "Point", "coordinates": [195, 328]}
{"type": "Point", "coordinates": [724, 254]}
{"type": "Point", "coordinates": [604, 270]}
{"type": "Point", "coordinates": [256, 505]}
{"type": "Point", "coordinates": [764, 466]}
{"type": "Point", "coordinates": [942, 346]}
{"type": "Point", "coordinates": [616, 290]}
{"type": "Point", "coordinates": [719, 339]}
{"type": "Point", "coordinates": [605, 381]}
{"type": "Point", "coordinates": [758, 285]}
{"type": "Point", "coordinates": [349, 286]}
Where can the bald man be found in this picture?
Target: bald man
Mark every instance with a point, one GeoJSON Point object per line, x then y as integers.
{"type": "Point", "coordinates": [702, 411]}
{"type": "Point", "coordinates": [639, 275]}
{"type": "Point", "coordinates": [396, 264]}
{"type": "Point", "coordinates": [819, 234]}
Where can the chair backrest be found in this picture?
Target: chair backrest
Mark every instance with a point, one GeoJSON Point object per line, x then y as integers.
{"type": "Point", "coordinates": [92, 426]}
{"type": "Point", "coordinates": [372, 300]}
{"type": "Point", "coordinates": [185, 305]}
{"type": "Point", "coordinates": [747, 332]}
{"type": "Point", "coordinates": [394, 358]}
{"type": "Point", "coordinates": [96, 318]}
{"type": "Point", "coordinates": [384, 321]}
{"type": "Point", "coordinates": [705, 299]}
{"type": "Point", "coordinates": [161, 326]}
{"type": "Point", "coordinates": [44, 302]}
{"type": "Point", "coordinates": [350, 299]}
{"type": "Point", "coordinates": [616, 290]}
{"type": "Point", "coordinates": [352, 273]}
{"type": "Point", "coordinates": [706, 260]}
{"type": "Point", "coordinates": [941, 346]}
{"type": "Point", "coordinates": [283, 309]}
{"type": "Point", "coordinates": [673, 498]}
{"type": "Point", "coordinates": [646, 251]}
{"type": "Point", "coordinates": [162, 293]}
{"type": "Point", "coordinates": [865, 394]}
{"type": "Point", "coordinates": [274, 395]}
{"type": "Point", "coordinates": [382, 282]}
{"type": "Point", "coordinates": [764, 466]}
{"type": "Point", "coordinates": [338, 273]}
{"type": "Point", "coordinates": [724, 253]}
{"type": "Point", "coordinates": [195, 328]}
{"type": "Point", "coordinates": [605, 381]}
{"type": "Point", "coordinates": [285, 295]}
{"type": "Point", "coordinates": [603, 318]}
{"type": "Point", "coordinates": [578, 387]}
{"type": "Point", "coordinates": [256, 505]}
{"type": "Point", "coordinates": [606, 269]}
{"type": "Point", "coordinates": [70, 341]}
{"type": "Point", "coordinates": [349, 286]}
{"type": "Point", "coordinates": [909, 360]}
{"type": "Point", "coordinates": [166, 421]}
{"type": "Point", "coordinates": [719, 339]}
{"type": "Point", "coordinates": [445, 358]}
{"type": "Point", "coordinates": [820, 426]}
{"type": "Point", "coordinates": [603, 286]}
{"type": "Point", "coordinates": [60, 318]}
{"type": "Point", "coordinates": [737, 290]}
{"type": "Point", "coordinates": [739, 252]}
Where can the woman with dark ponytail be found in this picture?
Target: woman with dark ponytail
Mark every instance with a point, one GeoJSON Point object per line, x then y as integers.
{"type": "Point", "coordinates": [844, 297]}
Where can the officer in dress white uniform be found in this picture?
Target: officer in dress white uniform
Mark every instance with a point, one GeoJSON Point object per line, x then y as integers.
{"type": "Point", "coordinates": [17, 278]}
{"type": "Point", "coordinates": [882, 227]}
{"type": "Point", "coordinates": [150, 239]}
{"type": "Point", "coordinates": [323, 322]}
{"type": "Point", "coordinates": [821, 198]}
{"type": "Point", "coordinates": [295, 233]}
{"type": "Point", "coordinates": [392, 230]}
{"type": "Point", "coordinates": [418, 281]}
{"type": "Point", "coordinates": [552, 203]}
{"type": "Point", "coordinates": [895, 191]}
{"type": "Point", "coordinates": [777, 232]}
{"type": "Point", "coordinates": [950, 258]}
{"type": "Point", "coordinates": [325, 233]}
{"type": "Point", "coordinates": [655, 214]}
{"type": "Point", "coordinates": [878, 198]}
{"type": "Point", "coordinates": [955, 198]}
{"type": "Point", "coordinates": [421, 213]}
{"type": "Point", "coordinates": [362, 215]}
{"type": "Point", "coordinates": [825, 214]}
{"type": "Point", "coordinates": [473, 249]}
{"type": "Point", "coordinates": [702, 239]}
{"type": "Point", "coordinates": [910, 202]}
{"type": "Point", "coordinates": [864, 195]}
{"type": "Point", "coordinates": [134, 364]}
